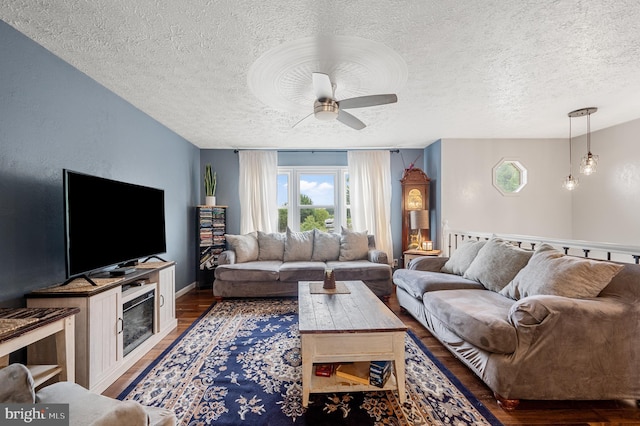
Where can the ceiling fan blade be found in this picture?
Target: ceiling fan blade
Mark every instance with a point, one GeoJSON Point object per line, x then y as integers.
{"type": "Point", "coordinates": [301, 120]}
{"type": "Point", "coordinates": [366, 101]}
{"type": "Point", "coordinates": [350, 120]}
{"type": "Point", "coordinates": [322, 86]}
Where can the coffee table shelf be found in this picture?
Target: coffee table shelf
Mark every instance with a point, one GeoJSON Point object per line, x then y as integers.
{"type": "Point", "coordinates": [321, 384]}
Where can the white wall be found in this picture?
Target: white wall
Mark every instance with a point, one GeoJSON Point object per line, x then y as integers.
{"type": "Point", "coordinates": [606, 204]}
{"type": "Point", "coordinates": [471, 202]}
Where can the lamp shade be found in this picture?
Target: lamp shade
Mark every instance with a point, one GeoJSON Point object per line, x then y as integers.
{"type": "Point", "coordinates": [419, 219]}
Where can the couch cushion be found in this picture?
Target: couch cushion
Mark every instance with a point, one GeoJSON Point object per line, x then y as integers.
{"type": "Point", "coordinates": [298, 246]}
{"type": "Point", "coordinates": [271, 245]}
{"type": "Point", "coordinates": [479, 317]}
{"type": "Point", "coordinates": [497, 263]}
{"type": "Point", "coordinates": [462, 257]}
{"type": "Point", "coordinates": [302, 271]}
{"type": "Point", "coordinates": [245, 246]}
{"type": "Point", "coordinates": [353, 245]}
{"type": "Point", "coordinates": [416, 283]}
{"type": "Point", "coordinates": [551, 272]}
{"type": "Point", "coordinates": [326, 246]}
{"type": "Point", "coordinates": [251, 271]}
{"type": "Point", "coordinates": [360, 270]}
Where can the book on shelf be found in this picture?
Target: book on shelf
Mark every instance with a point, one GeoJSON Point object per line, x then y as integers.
{"type": "Point", "coordinates": [356, 371]}
{"type": "Point", "coordinates": [324, 370]}
{"type": "Point", "coordinates": [379, 372]}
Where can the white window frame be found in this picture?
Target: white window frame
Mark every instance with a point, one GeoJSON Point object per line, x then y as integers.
{"type": "Point", "coordinates": [339, 193]}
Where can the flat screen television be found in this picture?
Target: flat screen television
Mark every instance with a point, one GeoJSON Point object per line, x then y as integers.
{"type": "Point", "coordinates": [110, 223]}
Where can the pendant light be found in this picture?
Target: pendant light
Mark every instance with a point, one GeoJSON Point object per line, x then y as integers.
{"type": "Point", "coordinates": [570, 183]}
{"type": "Point", "coordinates": [589, 162]}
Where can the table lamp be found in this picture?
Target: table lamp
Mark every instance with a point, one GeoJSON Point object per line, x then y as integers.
{"type": "Point", "coordinates": [418, 220]}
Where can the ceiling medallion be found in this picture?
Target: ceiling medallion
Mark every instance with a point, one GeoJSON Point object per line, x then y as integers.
{"type": "Point", "coordinates": [281, 77]}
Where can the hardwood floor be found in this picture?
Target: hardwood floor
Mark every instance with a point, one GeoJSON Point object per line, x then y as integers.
{"type": "Point", "coordinates": [190, 306]}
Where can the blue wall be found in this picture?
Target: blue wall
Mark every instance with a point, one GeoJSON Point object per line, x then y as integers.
{"type": "Point", "coordinates": [225, 163]}
{"type": "Point", "coordinates": [433, 169]}
{"type": "Point", "coordinates": [52, 117]}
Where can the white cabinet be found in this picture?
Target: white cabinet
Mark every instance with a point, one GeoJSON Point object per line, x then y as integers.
{"type": "Point", "coordinates": [99, 342]}
{"type": "Point", "coordinates": [166, 312]}
{"type": "Point", "coordinates": [104, 334]}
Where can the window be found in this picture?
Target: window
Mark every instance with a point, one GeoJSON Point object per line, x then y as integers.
{"type": "Point", "coordinates": [509, 177]}
{"type": "Point", "coordinates": [310, 198]}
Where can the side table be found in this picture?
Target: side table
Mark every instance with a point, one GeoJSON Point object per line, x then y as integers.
{"type": "Point", "coordinates": [21, 327]}
{"type": "Point", "coordinates": [409, 255]}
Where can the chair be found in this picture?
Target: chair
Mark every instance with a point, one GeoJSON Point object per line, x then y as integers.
{"type": "Point", "coordinates": [85, 407]}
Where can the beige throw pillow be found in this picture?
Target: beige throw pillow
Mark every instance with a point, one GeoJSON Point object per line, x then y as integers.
{"type": "Point", "coordinates": [353, 245]}
{"type": "Point", "coordinates": [551, 272]}
{"type": "Point", "coordinates": [461, 259]}
{"type": "Point", "coordinates": [497, 263]}
{"type": "Point", "coordinates": [326, 246]}
{"type": "Point", "coordinates": [298, 246]}
{"type": "Point", "coordinates": [271, 245]}
{"type": "Point", "coordinates": [245, 246]}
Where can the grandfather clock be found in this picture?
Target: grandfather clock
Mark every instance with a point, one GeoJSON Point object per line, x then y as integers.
{"type": "Point", "coordinates": [415, 196]}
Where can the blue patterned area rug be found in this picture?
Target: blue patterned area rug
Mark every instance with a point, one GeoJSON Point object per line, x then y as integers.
{"type": "Point", "coordinates": [240, 363]}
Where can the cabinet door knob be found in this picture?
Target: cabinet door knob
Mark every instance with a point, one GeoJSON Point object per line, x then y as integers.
{"type": "Point", "coordinates": [161, 300]}
{"type": "Point", "coordinates": [121, 321]}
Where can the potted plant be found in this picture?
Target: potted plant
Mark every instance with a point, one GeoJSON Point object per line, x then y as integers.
{"type": "Point", "coordinates": [210, 181]}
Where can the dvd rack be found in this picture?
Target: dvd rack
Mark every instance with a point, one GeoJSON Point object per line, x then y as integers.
{"type": "Point", "coordinates": [212, 226]}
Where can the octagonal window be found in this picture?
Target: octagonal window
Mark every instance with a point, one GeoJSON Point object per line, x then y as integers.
{"type": "Point", "coordinates": [509, 177]}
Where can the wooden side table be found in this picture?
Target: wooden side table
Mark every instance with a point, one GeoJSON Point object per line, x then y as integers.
{"type": "Point", "coordinates": [409, 255]}
{"type": "Point", "coordinates": [21, 327]}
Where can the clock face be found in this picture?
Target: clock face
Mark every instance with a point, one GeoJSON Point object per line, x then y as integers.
{"type": "Point", "coordinates": [414, 199]}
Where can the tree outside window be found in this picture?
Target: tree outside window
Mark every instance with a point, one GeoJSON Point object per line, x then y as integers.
{"type": "Point", "coordinates": [509, 177]}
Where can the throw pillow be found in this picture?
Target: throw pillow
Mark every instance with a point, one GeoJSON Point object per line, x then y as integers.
{"type": "Point", "coordinates": [460, 260]}
{"type": "Point", "coordinates": [271, 245]}
{"type": "Point", "coordinates": [551, 272]}
{"type": "Point", "coordinates": [245, 246]}
{"type": "Point", "coordinates": [353, 245]}
{"type": "Point", "coordinates": [298, 246]}
{"type": "Point", "coordinates": [326, 246]}
{"type": "Point", "coordinates": [497, 263]}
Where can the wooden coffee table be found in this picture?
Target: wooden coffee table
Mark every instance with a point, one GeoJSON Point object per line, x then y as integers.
{"type": "Point", "coordinates": [348, 327]}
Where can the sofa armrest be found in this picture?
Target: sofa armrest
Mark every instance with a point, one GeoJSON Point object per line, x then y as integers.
{"type": "Point", "coordinates": [227, 257]}
{"type": "Point", "coordinates": [563, 326]}
{"type": "Point", "coordinates": [427, 263]}
{"type": "Point", "coordinates": [377, 256]}
{"type": "Point", "coordinates": [17, 385]}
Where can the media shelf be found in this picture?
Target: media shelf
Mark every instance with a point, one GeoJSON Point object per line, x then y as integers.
{"type": "Point", "coordinates": [99, 325]}
{"type": "Point", "coordinates": [211, 224]}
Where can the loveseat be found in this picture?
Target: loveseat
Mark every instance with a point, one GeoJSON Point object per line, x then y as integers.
{"type": "Point", "coordinates": [85, 407]}
{"type": "Point", "coordinates": [538, 325]}
{"type": "Point", "coordinates": [261, 264]}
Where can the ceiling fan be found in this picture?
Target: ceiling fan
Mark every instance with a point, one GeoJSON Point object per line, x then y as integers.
{"type": "Point", "coordinates": [326, 107]}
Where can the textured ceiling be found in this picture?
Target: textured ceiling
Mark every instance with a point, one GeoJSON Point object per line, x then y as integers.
{"type": "Point", "coordinates": [236, 73]}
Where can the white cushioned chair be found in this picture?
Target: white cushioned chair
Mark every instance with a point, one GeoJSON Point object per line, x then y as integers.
{"type": "Point", "coordinates": [85, 407]}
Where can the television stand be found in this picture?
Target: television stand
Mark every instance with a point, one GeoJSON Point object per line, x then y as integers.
{"type": "Point", "coordinates": [84, 277]}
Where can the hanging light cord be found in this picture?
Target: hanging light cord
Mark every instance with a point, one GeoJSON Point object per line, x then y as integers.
{"type": "Point", "coordinates": [589, 134]}
{"type": "Point", "coordinates": [569, 146]}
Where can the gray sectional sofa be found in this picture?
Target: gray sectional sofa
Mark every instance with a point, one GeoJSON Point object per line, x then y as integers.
{"type": "Point", "coordinates": [263, 264]}
{"type": "Point", "coordinates": [538, 325]}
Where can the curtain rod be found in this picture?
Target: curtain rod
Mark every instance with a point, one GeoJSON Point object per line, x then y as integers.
{"type": "Point", "coordinates": [313, 151]}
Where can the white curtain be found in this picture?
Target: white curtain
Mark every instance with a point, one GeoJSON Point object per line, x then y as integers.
{"type": "Point", "coordinates": [258, 191]}
{"type": "Point", "coordinates": [370, 195]}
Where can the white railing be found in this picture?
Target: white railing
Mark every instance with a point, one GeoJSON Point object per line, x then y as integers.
{"type": "Point", "coordinates": [590, 249]}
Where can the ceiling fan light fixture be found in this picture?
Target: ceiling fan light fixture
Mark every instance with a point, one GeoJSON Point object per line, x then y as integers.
{"type": "Point", "coordinates": [325, 109]}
